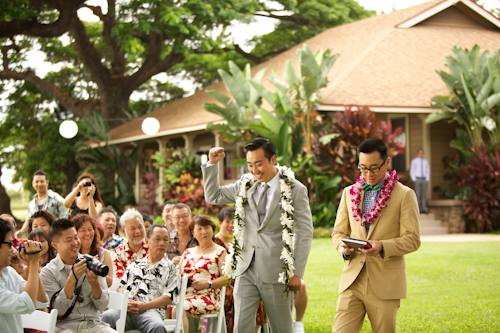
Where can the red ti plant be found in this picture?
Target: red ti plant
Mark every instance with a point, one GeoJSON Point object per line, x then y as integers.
{"type": "Point", "coordinates": [479, 184]}
{"type": "Point", "coordinates": [353, 126]}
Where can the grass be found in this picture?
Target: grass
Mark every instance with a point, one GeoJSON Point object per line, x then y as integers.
{"type": "Point", "coordinates": [452, 287]}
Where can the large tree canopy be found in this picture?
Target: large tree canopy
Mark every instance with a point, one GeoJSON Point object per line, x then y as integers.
{"type": "Point", "coordinates": [101, 64]}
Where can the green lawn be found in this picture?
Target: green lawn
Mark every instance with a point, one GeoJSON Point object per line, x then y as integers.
{"type": "Point", "coordinates": [452, 287]}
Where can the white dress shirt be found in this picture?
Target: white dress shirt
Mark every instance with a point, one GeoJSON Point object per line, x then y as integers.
{"type": "Point", "coordinates": [419, 168]}
{"type": "Point", "coordinates": [273, 185]}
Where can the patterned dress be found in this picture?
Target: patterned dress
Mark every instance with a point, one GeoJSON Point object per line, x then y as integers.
{"type": "Point", "coordinates": [206, 268]}
{"type": "Point", "coordinates": [261, 317]}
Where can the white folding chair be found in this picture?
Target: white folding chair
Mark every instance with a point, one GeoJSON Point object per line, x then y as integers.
{"type": "Point", "coordinates": [176, 325]}
{"type": "Point", "coordinates": [40, 320]}
{"type": "Point", "coordinates": [119, 302]}
{"type": "Point", "coordinates": [115, 284]}
{"type": "Point", "coordinates": [218, 319]}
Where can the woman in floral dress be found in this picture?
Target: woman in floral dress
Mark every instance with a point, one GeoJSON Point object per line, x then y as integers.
{"type": "Point", "coordinates": [203, 265]}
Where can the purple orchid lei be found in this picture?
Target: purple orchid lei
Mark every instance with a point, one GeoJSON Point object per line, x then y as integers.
{"type": "Point", "coordinates": [387, 188]}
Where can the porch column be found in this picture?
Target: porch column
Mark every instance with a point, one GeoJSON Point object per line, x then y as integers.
{"type": "Point", "coordinates": [220, 166]}
{"type": "Point", "coordinates": [426, 146]}
{"type": "Point", "coordinates": [138, 173]}
{"type": "Point", "coordinates": [162, 144]}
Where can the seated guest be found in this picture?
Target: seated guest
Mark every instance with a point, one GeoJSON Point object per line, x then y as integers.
{"type": "Point", "coordinates": [223, 238]}
{"type": "Point", "coordinates": [20, 267]}
{"type": "Point", "coordinates": [90, 242]}
{"type": "Point", "coordinates": [48, 252]}
{"type": "Point", "coordinates": [203, 264]}
{"type": "Point", "coordinates": [18, 296]}
{"type": "Point", "coordinates": [134, 248]}
{"type": "Point", "coordinates": [148, 221]}
{"type": "Point", "coordinates": [75, 291]}
{"type": "Point", "coordinates": [40, 219]}
{"type": "Point", "coordinates": [110, 239]}
{"type": "Point", "coordinates": [166, 214]}
{"type": "Point", "coordinates": [84, 198]}
{"type": "Point", "coordinates": [9, 218]}
{"type": "Point", "coordinates": [181, 238]}
{"type": "Point", "coordinates": [152, 282]}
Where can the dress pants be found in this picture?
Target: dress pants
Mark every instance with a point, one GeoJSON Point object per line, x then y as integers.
{"type": "Point", "coordinates": [249, 290]}
{"type": "Point", "coordinates": [100, 328]}
{"type": "Point", "coordinates": [421, 191]}
{"type": "Point", "coordinates": [359, 299]}
{"type": "Point", "coordinates": [147, 322]}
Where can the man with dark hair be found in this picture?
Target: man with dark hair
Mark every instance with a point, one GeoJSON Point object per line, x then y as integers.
{"type": "Point", "coordinates": [18, 296]}
{"type": "Point", "coordinates": [270, 206]}
{"type": "Point", "coordinates": [44, 199]}
{"type": "Point", "coordinates": [75, 291]}
{"type": "Point", "coordinates": [166, 214]}
{"type": "Point", "coordinates": [384, 212]}
{"type": "Point", "coordinates": [9, 218]}
{"type": "Point", "coordinates": [152, 281]}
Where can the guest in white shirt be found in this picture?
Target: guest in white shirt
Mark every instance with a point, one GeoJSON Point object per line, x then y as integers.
{"type": "Point", "coordinates": [18, 296]}
{"type": "Point", "coordinates": [420, 174]}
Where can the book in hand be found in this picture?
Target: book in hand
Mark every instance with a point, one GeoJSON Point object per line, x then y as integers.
{"type": "Point", "coordinates": [356, 243]}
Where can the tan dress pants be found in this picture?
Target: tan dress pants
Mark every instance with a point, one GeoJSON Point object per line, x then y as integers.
{"type": "Point", "coordinates": [360, 299]}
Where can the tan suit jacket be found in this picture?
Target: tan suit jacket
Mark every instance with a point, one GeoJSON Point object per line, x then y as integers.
{"type": "Point", "coordinates": [398, 227]}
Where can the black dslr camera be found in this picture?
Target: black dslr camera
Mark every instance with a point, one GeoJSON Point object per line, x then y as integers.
{"type": "Point", "coordinates": [94, 265]}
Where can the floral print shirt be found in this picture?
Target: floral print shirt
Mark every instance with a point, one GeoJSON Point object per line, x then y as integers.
{"type": "Point", "coordinates": [122, 256]}
{"type": "Point", "coordinates": [148, 283]}
{"type": "Point", "coordinates": [173, 245]}
{"type": "Point", "coordinates": [54, 205]}
{"type": "Point", "coordinates": [113, 242]}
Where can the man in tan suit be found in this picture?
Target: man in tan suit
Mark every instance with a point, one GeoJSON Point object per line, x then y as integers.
{"type": "Point", "coordinates": [383, 211]}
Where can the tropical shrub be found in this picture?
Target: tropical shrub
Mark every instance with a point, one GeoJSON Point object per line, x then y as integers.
{"type": "Point", "coordinates": [474, 102]}
{"type": "Point", "coordinates": [336, 148]}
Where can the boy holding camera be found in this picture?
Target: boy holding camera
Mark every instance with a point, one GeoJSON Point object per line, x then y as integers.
{"type": "Point", "coordinates": [75, 290]}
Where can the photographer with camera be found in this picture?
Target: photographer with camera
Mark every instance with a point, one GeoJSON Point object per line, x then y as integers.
{"type": "Point", "coordinates": [73, 284]}
{"type": "Point", "coordinates": [84, 198]}
{"type": "Point", "coordinates": [18, 296]}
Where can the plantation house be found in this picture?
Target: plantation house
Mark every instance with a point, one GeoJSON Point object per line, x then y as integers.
{"type": "Point", "coordinates": [387, 62]}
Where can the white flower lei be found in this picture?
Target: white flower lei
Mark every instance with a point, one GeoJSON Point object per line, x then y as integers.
{"type": "Point", "coordinates": [286, 180]}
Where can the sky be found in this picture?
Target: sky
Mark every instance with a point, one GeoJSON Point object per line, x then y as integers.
{"type": "Point", "coordinates": [245, 32]}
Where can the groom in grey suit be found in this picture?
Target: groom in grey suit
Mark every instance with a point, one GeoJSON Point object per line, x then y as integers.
{"type": "Point", "coordinates": [259, 263]}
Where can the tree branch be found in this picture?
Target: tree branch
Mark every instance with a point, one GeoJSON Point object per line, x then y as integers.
{"type": "Point", "coordinates": [31, 27]}
{"type": "Point", "coordinates": [291, 18]}
{"type": "Point", "coordinates": [80, 108]}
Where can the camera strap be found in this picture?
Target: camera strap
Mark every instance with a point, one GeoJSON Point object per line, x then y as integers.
{"type": "Point", "coordinates": [77, 292]}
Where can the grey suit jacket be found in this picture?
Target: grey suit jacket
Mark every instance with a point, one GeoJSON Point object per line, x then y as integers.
{"type": "Point", "coordinates": [265, 240]}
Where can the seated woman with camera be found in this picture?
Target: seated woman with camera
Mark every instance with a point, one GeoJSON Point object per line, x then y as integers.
{"type": "Point", "coordinates": [84, 198]}
{"type": "Point", "coordinates": [90, 241]}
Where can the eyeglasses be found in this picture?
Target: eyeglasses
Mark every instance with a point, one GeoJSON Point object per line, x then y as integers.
{"type": "Point", "coordinates": [15, 259]}
{"type": "Point", "coordinates": [372, 169]}
{"type": "Point", "coordinates": [8, 243]}
{"type": "Point", "coordinates": [177, 218]}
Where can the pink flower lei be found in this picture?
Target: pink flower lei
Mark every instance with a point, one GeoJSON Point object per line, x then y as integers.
{"type": "Point", "coordinates": [387, 187]}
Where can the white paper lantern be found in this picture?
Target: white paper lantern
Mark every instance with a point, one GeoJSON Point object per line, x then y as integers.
{"type": "Point", "coordinates": [68, 129]}
{"type": "Point", "coordinates": [150, 125]}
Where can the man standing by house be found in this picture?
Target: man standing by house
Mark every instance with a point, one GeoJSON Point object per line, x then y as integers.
{"type": "Point", "coordinates": [270, 206]}
{"type": "Point", "coordinates": [377, 208]}
{"type": "Point", "coordinates": [44, 199]}
{"type": "Point", "coordinates": [420, 174]}
{"type": "Point", "coordinates": [135, 247]}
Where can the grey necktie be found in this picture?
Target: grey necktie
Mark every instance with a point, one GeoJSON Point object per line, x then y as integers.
{"type": "Point", "coordinates": [261, 206]}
